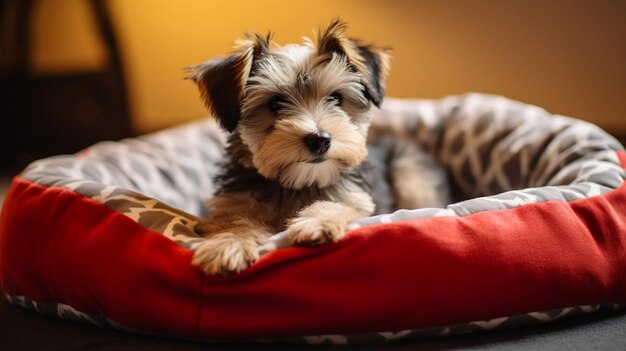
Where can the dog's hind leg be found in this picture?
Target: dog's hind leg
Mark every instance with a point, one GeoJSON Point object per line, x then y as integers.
{"type": "Point", "coordinates": [418, 181]}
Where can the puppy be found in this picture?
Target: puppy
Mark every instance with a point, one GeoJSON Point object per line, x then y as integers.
{"type": "Point", "coordinates": [298, 117]}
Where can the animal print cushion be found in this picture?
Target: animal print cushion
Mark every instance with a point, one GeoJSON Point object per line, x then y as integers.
{"type": "Point", "coordinates": [512, 166]}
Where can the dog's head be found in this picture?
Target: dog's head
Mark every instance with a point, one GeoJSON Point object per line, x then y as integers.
{"type": "Point", "coordinates": [301, 110]}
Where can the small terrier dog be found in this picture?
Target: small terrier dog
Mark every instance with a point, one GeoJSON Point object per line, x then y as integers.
{"type": "Point", "coordinates": [298, 117]}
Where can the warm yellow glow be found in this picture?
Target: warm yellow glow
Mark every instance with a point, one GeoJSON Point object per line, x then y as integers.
{"type": "Point", "coordinates": [161, 37]}
{"type": "Point", "coordinates": [566, 56]}
{"type": "Point", "coordinates": [65, 38]}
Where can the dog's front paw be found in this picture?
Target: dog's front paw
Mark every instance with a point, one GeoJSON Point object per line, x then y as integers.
{"type": "Point", "coordinates": [314, 230]}
{"type": "Point", "coordinates": [225, 254]}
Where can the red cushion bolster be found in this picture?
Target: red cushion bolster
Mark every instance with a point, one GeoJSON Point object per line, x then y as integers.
{"type": "Point", "coordinates": [431, 272]}
{"type": "Point", "coordinates": [422, 273]}
{"type": "Point", "coordinates": [58, 246]}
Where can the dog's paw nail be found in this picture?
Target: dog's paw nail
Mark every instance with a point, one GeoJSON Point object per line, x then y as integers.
{"type": "Point", "coordinates": [225, 257]}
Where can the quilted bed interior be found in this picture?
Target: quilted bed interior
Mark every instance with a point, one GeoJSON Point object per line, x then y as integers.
{"type": "Point", "coordinates": [489, 145]}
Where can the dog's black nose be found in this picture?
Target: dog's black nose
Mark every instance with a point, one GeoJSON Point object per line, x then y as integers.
{"type": "Point", "coordinates": [318, 142]}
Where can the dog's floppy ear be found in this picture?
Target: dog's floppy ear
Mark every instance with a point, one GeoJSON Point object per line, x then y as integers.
{"type": "Point", "coordinates": [372, 62]}
{"type": "Point", "coordinates": [222, 80]}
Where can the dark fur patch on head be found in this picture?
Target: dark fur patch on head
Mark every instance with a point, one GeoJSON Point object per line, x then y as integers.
{"type": "Point", "coordinates": [331, 38]}
{"type": "Point", "coordinates": [376, 76]}
{"type": "Point", "coordinates": [222, 80]}
{"type": "Point", "coordinates": [372, 62]}
{"type": "Point", "coordinates": [303, 82]}
{"type": "Point", "coordinates": [261, 44]}
{"type": "Point", "coordinates": [220, 85]}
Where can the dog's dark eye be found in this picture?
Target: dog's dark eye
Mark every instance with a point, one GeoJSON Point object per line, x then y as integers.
{"type": "Point", "coordinates": [336, 98]}
{"type": "Point", "coordinates": [276, 104]}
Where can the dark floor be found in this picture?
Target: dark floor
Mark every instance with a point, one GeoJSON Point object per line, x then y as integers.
{"type": "Point", "coordinates": [22, 329]}
{"type": "Point", "coordinates": [5, 181]}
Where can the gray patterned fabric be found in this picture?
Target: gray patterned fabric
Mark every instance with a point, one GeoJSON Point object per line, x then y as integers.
{"type": "Point", "coordinates": [499, 154]}
{"type": "Point", "coordinates": [161, 181]}
{"type": "Point", "coordinates": [66, 312]}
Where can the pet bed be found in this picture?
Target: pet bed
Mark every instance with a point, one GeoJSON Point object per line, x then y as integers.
{"type": "Point", "coordinates": [103, 236]}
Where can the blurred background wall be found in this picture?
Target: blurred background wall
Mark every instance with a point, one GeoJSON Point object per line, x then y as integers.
{"type": "Point", "coordinates": [567, 56]}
